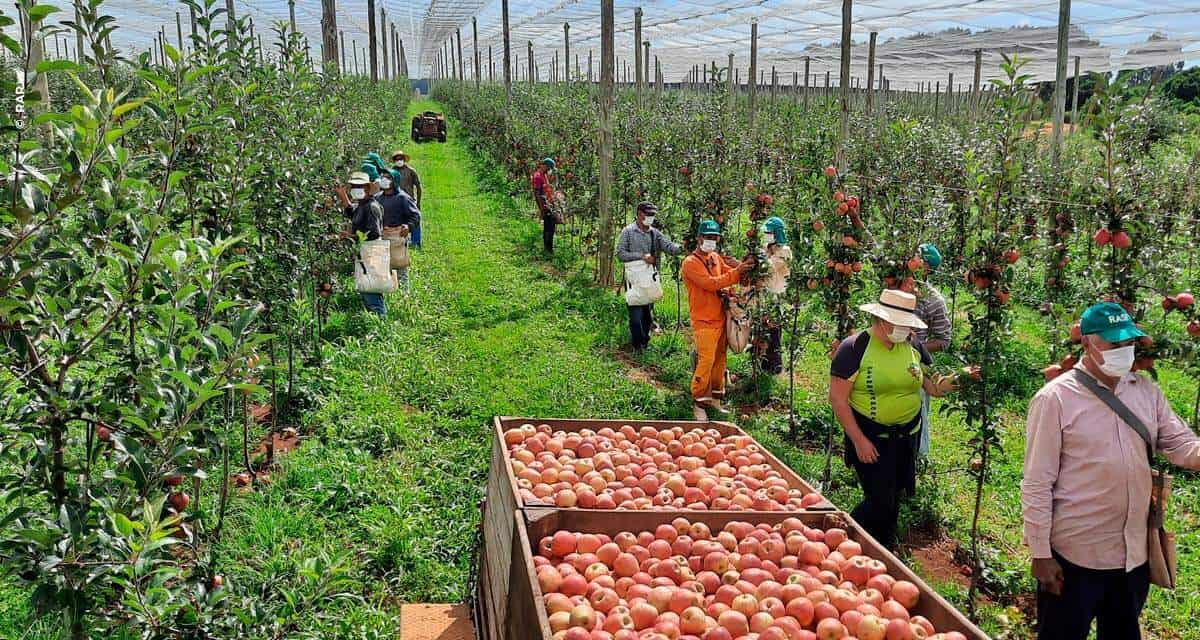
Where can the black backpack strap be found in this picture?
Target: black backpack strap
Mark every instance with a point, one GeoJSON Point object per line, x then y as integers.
{"type": "Point", "coordinates": [1118, 407]}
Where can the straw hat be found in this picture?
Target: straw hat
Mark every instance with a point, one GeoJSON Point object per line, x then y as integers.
{"type": "Point", "coordinates": [897, 307]}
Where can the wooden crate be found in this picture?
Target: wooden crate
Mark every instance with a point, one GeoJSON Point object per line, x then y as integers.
{"type": "Point", "coordinates": [502, 484]}
{"type": "Point", "coordinates": [525, 615]}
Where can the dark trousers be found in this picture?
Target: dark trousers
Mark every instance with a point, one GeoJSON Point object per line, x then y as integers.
{"type": "Point", "coordinates": [549, 223]}
{"type": "Point", "coordinates": [1112, 597]}
{"type": "Point", "coordinates": [769, 349]}
{"type": "Point", "coordinates": [886, 479]}
{"type": "Point", "coordinates": [641, 322]}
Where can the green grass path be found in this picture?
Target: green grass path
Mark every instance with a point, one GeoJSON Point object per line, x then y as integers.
{"type": "Point", "coordinates": [383, 494]}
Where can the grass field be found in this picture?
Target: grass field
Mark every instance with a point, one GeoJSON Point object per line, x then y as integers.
{"type": "Point", "coordinates": [379, 505]}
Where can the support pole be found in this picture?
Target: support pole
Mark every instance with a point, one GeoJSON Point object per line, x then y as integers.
{"type": "Point", "coordinates": [462, 68]}
{"type": "Point", "coordinates": [871, 72]}
{"type": "Point", "coordinates": [637, 49]}
{"type": "Point", "coordinates": [729, 88]}
{"type": "Point", "coordinates": [646, 62]}
{"type": "Point", "coordinates": [79, 34]}
{"type": "Point", "coordinates": [373, 60]}
{"type": "Point", "coordinates": [507, 54]}
{"type": "Point", "coordinates": [975, 84]}
{"type": "Point", "coordinates": [383, 41]}
{"type": "Point", "coordinates": [754, 68]}
{"type": "Point", "coordinates": [844, 81]}
{"type": "Point", "coordinates": [179, 32]}
{"type": "Point", "coordinates": [1075, 99]}
{"type": "Point", "coordinates": [475, 46]}
{"type": "Point", "coordinates": [342, 43]}
{"type": "Point", "coordinates": [531, 77]}
{"type": "Point", "coordinates": [403, 59]}
{"type": "Point", "coordinates": [292, 15]}
{"type": "Point", "coordinates": [230, 26]}
{"type": "Point", "coordinates": [567, 51]}
{"type": "Point", "coordinates": [604, 275]}
{"type": "Point", "coordinates": [807, 60]}
{"type": "Point", "coordinates": [1060, 80]}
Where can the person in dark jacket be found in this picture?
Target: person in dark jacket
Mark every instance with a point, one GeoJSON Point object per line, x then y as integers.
{"type": "Point", "coordinates": [409, 182]}
{"type": "Point", "coordinates": [366, 218]}
{"type": "Point", "coordinates": [399, 210]}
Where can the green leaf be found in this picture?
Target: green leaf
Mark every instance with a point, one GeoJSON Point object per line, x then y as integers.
{"type": "Point", "coordinates": [46, 66]}
{"type": "Point", "coordinates": [123, 525]}
{"type": "Point", "coordinates": [122, 109]}
{"type": "Point", "coordinates": [40, 11]}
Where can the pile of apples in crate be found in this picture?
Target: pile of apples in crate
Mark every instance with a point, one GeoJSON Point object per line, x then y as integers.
{"type": "Point", "coordinates": [647, 468]}
{"type": "Point", "coordinates": [683, 581]}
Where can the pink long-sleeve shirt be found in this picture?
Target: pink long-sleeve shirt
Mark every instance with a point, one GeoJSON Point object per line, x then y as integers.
{"type": "Point", "coordinates": [1086, 489]}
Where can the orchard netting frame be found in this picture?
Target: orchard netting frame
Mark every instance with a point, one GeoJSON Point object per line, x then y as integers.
{"type": "Point", "coordinates": [920, 43]}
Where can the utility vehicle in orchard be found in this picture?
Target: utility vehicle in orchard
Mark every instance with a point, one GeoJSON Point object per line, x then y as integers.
{"type": "Point", "coordinates": [429, 126]}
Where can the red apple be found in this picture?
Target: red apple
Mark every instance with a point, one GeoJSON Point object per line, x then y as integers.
{"type": "Point", "coordinates": [1121, 240]}
{"type": "Point", "coordinates": [1102, 237]}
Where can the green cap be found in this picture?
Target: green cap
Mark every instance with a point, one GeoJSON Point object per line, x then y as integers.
{"type": "Point", "coordinates": [1110, 321]}
{"type": "Point", "coordinates": [709, 228]}
{"type": "Point", "coordinates": [930, 255]}
{"type": "Point", "coordinates": [370, 169]}
{"type": "Point", "coordinates": [774, 225]}
{"type": "Point", "coordinates": [549, 162]}
{"type": "Point", "coordinates": [375, 159]}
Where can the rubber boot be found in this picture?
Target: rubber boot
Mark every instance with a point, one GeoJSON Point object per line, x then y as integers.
{"type": "Point", "coordinates": [699, 414]}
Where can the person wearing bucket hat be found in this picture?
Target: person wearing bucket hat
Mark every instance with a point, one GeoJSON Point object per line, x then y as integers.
{"type": "Point", "coordinates": [932, 310]}
{"type": "Point", "coordinates": [706, 274]}
{"type": "Point", "coordinates": [366, 218]}
{"type": "Point", "coordinates": [372, 172]}
{"type": "Point", "coordinates": [769, 346]}
{"type": "Point", "coordinates": [641, 241]}
{"type": "Point", "coordinates": [874, 386]}
{"type": "Point", "coordinates": [1086, 489]}
{"type": "Point", "coordinates": [409, 181]}
{"type": "Point", "coordinates": [543, 195]}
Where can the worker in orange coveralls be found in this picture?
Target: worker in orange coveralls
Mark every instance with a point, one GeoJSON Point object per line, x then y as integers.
{"type": "Point", "coordinates": [706, 273]}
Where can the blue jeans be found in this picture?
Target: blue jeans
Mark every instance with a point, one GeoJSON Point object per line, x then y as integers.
{"type": "Point", "coordinates": [416, 237]}
{"type": "Point", "coordinates": [374, 303]}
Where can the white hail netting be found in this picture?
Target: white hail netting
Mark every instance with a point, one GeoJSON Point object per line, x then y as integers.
{"type": "Point", "coordinates": [920, 41]}
{"type": "Point", "coordinates": [139, 21]}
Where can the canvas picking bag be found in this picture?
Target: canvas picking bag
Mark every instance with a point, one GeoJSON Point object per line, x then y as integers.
{"type": "Point", "coordinates": [372, 269]}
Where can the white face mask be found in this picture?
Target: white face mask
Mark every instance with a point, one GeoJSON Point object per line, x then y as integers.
{"type": "Point", "coordinates": [768, 238]}
{"type": "Point", "coordinates": [648, 221]}
{"type": "Point", "coordinates": [1118, 362]}
{"type": "Point", "coordinates": [385, 183]}
{"type": "Point", "coordinates": [358, 193]}
{"type": "Point", "coordinates": [400, 163]}
{"type": "Point", "coordinates": [708, 245]}
{"type": "Point", "coordinates": [899, 334]}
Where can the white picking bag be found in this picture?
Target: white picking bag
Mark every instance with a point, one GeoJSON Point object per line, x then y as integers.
{"type": "Point", "coordinates": [399, 247]}
{"type": "Point", "coordinates": [372, 269]}
{"type": "Point", "coordinates": [642, 286]}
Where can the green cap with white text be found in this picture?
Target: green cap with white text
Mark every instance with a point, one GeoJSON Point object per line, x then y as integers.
{"type": "Point", "coordinates": [1110, 321]}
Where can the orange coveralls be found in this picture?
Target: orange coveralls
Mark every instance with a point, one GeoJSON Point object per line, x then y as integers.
{"type": "Point", "coordinates": [705, 274]}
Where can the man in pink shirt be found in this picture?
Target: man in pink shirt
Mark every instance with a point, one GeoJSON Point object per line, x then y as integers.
{"type": "Point", "coordinates": [1086, 488]}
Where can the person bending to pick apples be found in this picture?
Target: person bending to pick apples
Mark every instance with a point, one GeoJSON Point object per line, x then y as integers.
{"type": "Point", "coordinates": [1085, 495]}
{"type": "Point", "coordinates": [706, 274]}
{"type": "Point", "coordinates": [875, 387]}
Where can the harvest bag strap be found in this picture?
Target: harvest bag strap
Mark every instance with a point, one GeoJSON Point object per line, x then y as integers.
{"type": "Point", "coordinates": [1114, 403]}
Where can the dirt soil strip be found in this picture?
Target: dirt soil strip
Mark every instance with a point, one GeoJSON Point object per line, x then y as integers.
{"type": "Point", "coordinates": [436, 622]}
